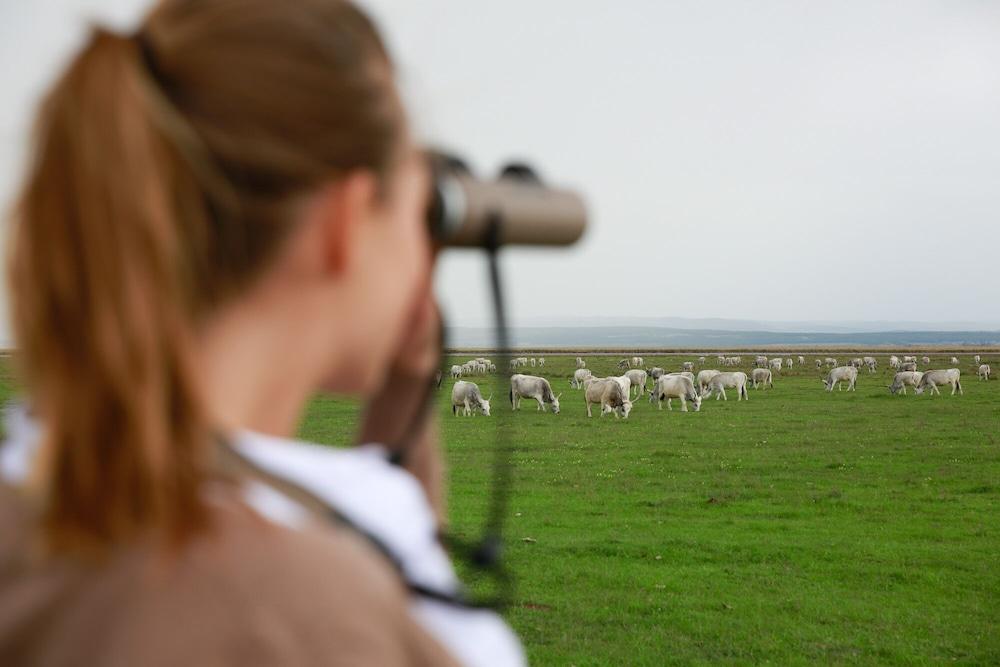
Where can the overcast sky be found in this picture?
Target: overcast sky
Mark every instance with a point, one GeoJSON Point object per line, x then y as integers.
{"type": "Point", "coordinates": [766, 160]}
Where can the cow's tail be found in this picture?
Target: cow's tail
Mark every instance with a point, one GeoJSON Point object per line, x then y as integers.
{"type": "Point", "coordinates": [511, 394]}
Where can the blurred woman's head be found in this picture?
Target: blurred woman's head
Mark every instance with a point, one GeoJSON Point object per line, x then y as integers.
{"type": "Point", "coordinates": [232, 158]}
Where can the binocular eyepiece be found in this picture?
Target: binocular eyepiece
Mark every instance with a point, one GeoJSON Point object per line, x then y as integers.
{"type": "Point", "coordinates": [515, 209]}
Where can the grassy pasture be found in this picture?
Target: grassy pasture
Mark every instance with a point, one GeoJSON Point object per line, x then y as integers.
{"type": "Point", "coordinates": [799, 527]}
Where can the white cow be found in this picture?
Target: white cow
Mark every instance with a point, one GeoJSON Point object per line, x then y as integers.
{"type": "Point", "coordinates": [624, 364]}
{"type": "Point", "coordinates": [722, 360]}
{"type": "Point", "coordinates": [580, 363]}
{"type": "Point", "coordinates": [625, 382]}
{"type": "Point", "coordinates": [955, 361]}
{"type": "Point", "coordinates": [934, 379]}
{"type": "Point", "coordinates": [669, 387]}
{"type": "Point", "coordinates": [720, 382]}
{"type": "Point", "coordinates": [904, 379]}
{"type": "Point", "coordinates": [802, 360]}
{"type": "Point", "coordinates": [655, 372]}
{"type": "Point", "coordinates": [830, 361]}
{"type": "Point", "coordinates": [840, 374]}
{"type": "Point", "coordinates": [580, 375]}
{"type": "Point", "coordinates": [908, 366]}
{"type": "Point", "coordinates": [894, 362]}
{"type": "Point", "coordinates": [908, 358]}
{"type": "Point", "coordinates": [530, 386]}
{"type": "Point", "coordinates": [976, 359]}
{"type": "Point", "coordinates": [762, 376]}
{"type": "Point", "coordinates": [819, 363]}
{"type": "Point", "coordinates": [701, 360]}
{"type": "Point", "coordinates": [871, 363]}
{"type": "Point", "coordinates": [466, 395]}
{"type": "Point", "coordinates": [608, 394]}
{"type": "Point", "coordinates": [704, 377]}
{"type": "Point", "coordinates": [789, 363]}
{"type": "Point", "coordinates": [688, 366]}
{"type": "Point", "coordinates": [637, 362]}
{"type": "Point", "coordinates": [456, 371]}
{"type": "Point", "coordinates": [534, 362]}
{"type": "Point", "coordinates": [637, 377]}
{"type": "Point", "coordinates": [984, 372]}
{"type": "Point", "coordinates": [541, 362]}
{"type": "Point", "coordinates": [760, 361]}
{"type": "Point", "coordinates": [775, 364]}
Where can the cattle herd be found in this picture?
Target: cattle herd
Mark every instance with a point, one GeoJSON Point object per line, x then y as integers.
{"type": "Point", "coordinates": [615, 394]}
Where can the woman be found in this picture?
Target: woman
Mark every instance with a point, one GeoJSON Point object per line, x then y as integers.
{"type": "Point", "coordinates": [224, 214]}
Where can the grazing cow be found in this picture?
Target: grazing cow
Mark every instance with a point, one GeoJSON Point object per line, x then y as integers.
{"type": "Point", "coordinates": [704, 377]}
{"type": "Point", "coordinates": [775, 364]}
{"type": "Point", "coordinates": [830, 361]}
{"type": "Point", "coordinates": [802, 360]}
{"type": "Point", "coordinates": [760, 361]}
{"type": "Point", "coordinates": [637, 377]}
{"type": "Point", "coordinates": [669, 387]}
{"type": "Point", "coordinates": [856, 362]}
{"type": "Point", "coordinates": [934, 379]}
{"type": "Point", "coordinates": [908, 366]}
{"type": "Point", "coordinates": [976, 359]}
{"type": "Point", "coordinates": [541, 362]}
{"type": "Point", "coordinates": [701, 360]}
{"type": "Point", "coordinates": [762, 376]}
{"type": "Point", "coordinates": [955, 361]}
{"type": "Point", "coordinates": [466, 395]}
{"type": "Point", "coordinates": [840, 374]}
{"type": "Point", "coordinates": [580, 375]}
{"type": "Point", "coordinates": [638, 362]}
{"type": "Point", "coordinates": [789, 363]}
{"type": "Point", "coordinates": [623, 364]}
{"type": "Point", "coordinates": [688, 366]}
{"type": "Point", "coordinates": [984, 372]}
{"type": "Point", "coordinates": [655, 372]}
{"type": "Point", "coordinates": [580, 363]}
{"type": "Point", "coordinates": [908, 358]}
{"type": "Point", "coordinates": [819, 363]}
{"type": "Point", "coordinates": [456, 371]}
{"type": "Point", "coordinates": [530, 386]}
{"type": "Point", "coordinates": [720, 382]}
{"type": "Point", "coordinates": [722, 359]}
{"type": "Point", "coordinates": [608, 394]}
{"type": "Point", "coordinates": [926, 360]}
{"type": "Point", "coordinates": [534, 362]}
{"type": "Point", "coordinates": [904, 379]}
{"type": "Point", "coordinates": [871, 363]}
{"type": "Point", "coordinates": [894, 362]}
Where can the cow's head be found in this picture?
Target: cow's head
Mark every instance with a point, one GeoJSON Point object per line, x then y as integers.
{"type": "Point", "coordinates": [696, 401]}
{"type": "Point", "coordinates": [484, 405]}
{"type": "Point", "coordinates": [555, 403]}
{"type": "Point", "coordinates": [625, 408]}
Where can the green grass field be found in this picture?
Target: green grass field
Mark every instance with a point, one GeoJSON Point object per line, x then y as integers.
{"type": "Point", "coordinates": [799, 527]}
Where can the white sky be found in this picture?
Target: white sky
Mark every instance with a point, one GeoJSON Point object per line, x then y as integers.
{"type": "Point", "coordinates": [779, 160]}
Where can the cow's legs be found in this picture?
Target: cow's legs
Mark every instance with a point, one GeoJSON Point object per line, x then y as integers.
{"type": "Point", "coordinates": [684, 405]}
{"type": "Point", "coordinates": [588, 410]}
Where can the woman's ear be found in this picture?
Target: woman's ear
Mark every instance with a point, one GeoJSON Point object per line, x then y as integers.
{"type": "Point", "coordinates": [344, 205]}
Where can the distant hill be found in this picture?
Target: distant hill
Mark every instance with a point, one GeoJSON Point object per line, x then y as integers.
{"type": "Point", "coordinates": [650, 336]}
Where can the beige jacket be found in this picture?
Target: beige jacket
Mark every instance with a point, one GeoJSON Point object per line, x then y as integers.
{"type": "Point", "coordinates": [250, 593]}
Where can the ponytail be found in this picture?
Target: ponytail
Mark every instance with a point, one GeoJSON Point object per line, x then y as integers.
{"type": "Point", "coordinates": [165, 175]}
{"type": "Point", "coordinates": [100, 314]}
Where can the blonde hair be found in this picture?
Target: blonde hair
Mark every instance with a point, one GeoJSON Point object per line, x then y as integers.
{"type": "Point", "coordinates": [164, 172]}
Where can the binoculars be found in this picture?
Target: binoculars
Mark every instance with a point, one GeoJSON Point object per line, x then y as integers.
{"type": "Point", "coordinates": [514, 209]}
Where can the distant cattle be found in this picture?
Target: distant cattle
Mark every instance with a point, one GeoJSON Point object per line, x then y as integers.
{"type": "Point", "coordinates": [802, 360]}
{"type": "Point", "coordinates": [466, 395]}
{"type": "Point", "coordinates": [530, 386]}
{"type": "Point", "coordinates": [935, 379]}
{"type": "Point", "coordinates": [904, 379]}
{"type": "Point", "coordinates": [955, 361]}
{"type": "Point", "coordinates": [637, 377]}
{"type": "Point", "coordinates": [762, 376]}
{"type": "Point", "coordinates": [976, 359]}
{"type": "Point", "coordinates": [926, 360]}
{"type": "Point", "coordinates": [688, 366]}
{"type": "Point", "coordinates": [908, 366]}
{"type": "Point", "coordinates": [704, 377]}
{"type": "Point", "coordinates": [580, 363]}
{"type": "Point", "coordinates": [579, 376]}
{"type": "Point", "coordinates": [624, 364]}
{"type": "Point", "coordinates": [722, 381]}
{"type": "Point", "coordinates": [669, 387]}
{"type": "Point", "coordinates": [607, 393]}
{"type": "Point", "coordinates": [894, 362]}
{"type": "Point", "coordinates": [984, 372]}
{"type": "Point", "coordinates": [830, 361]}
{"type": "Point", "coordinates": [840, 374]}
